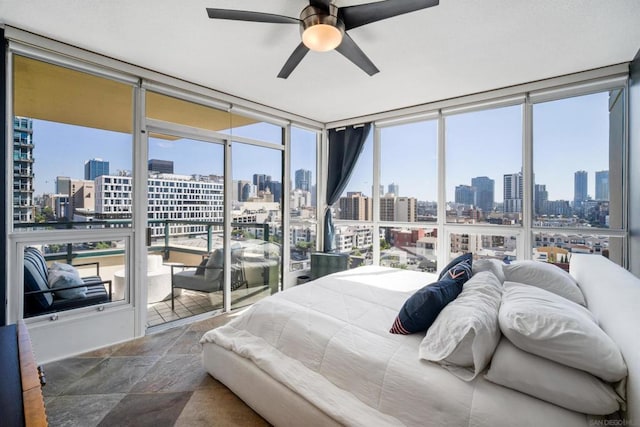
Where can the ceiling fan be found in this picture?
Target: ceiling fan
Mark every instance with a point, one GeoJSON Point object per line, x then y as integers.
{"type": "Point", "coordinates": [324, 26]}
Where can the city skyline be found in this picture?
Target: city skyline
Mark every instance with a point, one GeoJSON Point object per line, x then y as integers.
{"type": "Point", "coordinates": [196, 157]}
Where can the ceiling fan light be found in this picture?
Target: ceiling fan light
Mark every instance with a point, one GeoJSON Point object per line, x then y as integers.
{"type": "Point", "coordinates": [320, 28]}
{"type": "Point", "coordinates": [322, 37]}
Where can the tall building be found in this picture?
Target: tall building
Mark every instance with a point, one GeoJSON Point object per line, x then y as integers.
{"type": "Point", "coordinates": [242, 190]}
{"type": "Point", "coordinates": [540, 199]}
{"type": "Point", "coordinates": [406, 209]}
{"type": "Point", "coordinates": [94, 168]}
{"type": "Point", "coordinates": [512, 192]}
{"type": "Point", "coordinates": [355, 206]}
{"type": "Point", "coordinates": [394, 189]}
{"type": "Point", "coordinates": [276, 189]}
{"type": "Point", "coordinates": [483, 193]}
{"type": "Point", "coordinates": [580, 186]}
{"type": "Point", "coordinates": [602, 185]}
{"type": "Point", "coordinates": [260, 181]}
{"type": "Point", "coordinates": [387, 207]}
{"type": "Point", "coordinates": [160, 166]}
{"type": "Point", "coordinates": [303, 180]}
{"type": "Point", "coordinates": [464, 195]}
{"type": "Point", "coordinates": [23, 206]}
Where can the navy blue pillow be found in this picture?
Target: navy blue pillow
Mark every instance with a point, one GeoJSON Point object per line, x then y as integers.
{"type": "Point", "coordinates": [421, 309]}
{"type": "Point", "coordinates": [462, 258]}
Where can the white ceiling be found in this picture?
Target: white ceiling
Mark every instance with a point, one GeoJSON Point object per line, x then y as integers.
{"type": "Point", "coordinates": [457, 48]}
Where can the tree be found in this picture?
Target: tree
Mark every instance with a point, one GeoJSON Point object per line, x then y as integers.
{"type": "Point", "coordinates": [384, 245]}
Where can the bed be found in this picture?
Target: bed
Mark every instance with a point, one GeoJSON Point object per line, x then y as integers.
{"type": "Point", "coordinates": [321, 354]}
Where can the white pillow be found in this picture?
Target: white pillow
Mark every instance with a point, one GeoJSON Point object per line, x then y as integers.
{"type": "Point", "coordinates": [466, 332]}
{"type": "Point", "coordinates": [550, 381]}
{"type": "Point", "coordinates": [553, 327]}
{"type": "Point", "coordinates": [546, 276]}
{"type": "Point", "coordinates": [489, 264]}
{"type": "Point", "coordinates": [62, 275]}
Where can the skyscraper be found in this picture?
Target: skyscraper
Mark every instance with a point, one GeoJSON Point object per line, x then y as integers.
{"type": "Point", "coordinates": [276, 189]}
{"type": "Point", "coordinates": [260, 181]}
{"type": "Point", "coordinates": [303, 180]}
{"type": "Point", "coordinates": [94, 168]}
{"type": "Point", "coordinates": [512, 192]}
{"type": "Point", "coordinates": [394, 188]}
{"type": "Point", "coordinates": [355, 206]}
{"type": "Point", "coordinates": [23, 206]}
{"type": "Point", "coordinates": [580, 186]}
{"type": "Point", "coordinates": [540, 198]}
{"type": "Point", "coordinates": [483, 192]}
{"type": "Point", "coordinates": [464, 195]}
{"type": "Point", "coordinates": [602, 185]}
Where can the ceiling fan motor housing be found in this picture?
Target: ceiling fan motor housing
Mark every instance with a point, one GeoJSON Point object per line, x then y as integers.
{"type": "Point", "coordinates": [321, 30]}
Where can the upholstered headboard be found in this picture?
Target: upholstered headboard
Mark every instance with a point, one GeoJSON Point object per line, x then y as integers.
{"type": "Point", "coordinates": [613, 296]}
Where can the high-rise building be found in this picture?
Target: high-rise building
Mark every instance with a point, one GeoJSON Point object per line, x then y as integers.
{"type": "Point", "coordinates": [242, 190]}
{"type": "Point", "coordinates": [483, 193]}
{"type": "Point", "coordinates": [23, 206]}
{"type": "Point", "coordinates": [276, 189]}
{"type": "Point", "coordinates": [94, 168]}
{"type": "Point", "coordinates": [303, 180]}
{"type": "Point", "coordinates": [464, 195]}
{"type": "Point", "coordinates": [355, 206]}
{"type": "Point", "coordinates": [406, 209]}
{"type": "Point", "coordinates": [580, 187]}
{"type": "Point", "coordinates": [540, 198]}
{"type": "Point", "coordinates": [602, 185]}
{"type": "Point", "coordinates": [160, 166]}
{"type": "Point", "coordinates": [260, 181]}
{"type": "Point", "coordinates": [394, 189]}
{"type": "Point", "coordinates": [512, 192]}
{"type": "Point", "coordinates": [387, 207]}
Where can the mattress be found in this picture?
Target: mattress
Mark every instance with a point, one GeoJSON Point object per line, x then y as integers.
{"type": "Point", "coordinates": [327, 343]}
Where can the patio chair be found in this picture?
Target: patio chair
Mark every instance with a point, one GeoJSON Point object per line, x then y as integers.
{"type": "Point", "coordinates": [40, 299]}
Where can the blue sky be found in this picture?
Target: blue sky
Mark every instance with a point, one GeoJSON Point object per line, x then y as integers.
{"type": "Point", "coordinates": [569, 135]}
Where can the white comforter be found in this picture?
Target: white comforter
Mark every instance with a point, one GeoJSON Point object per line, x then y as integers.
{"type": "Point", "coordinates": [328, 341]}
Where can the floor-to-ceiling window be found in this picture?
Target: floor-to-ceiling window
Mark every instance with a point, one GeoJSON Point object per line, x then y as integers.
{"type": "Point", "coordinates": [408, 195]}
{"type": "Point", "coordinates": [303, 210]}
{"type": "Point", "coordinates": [72, 139]}
{"type": "Point", "coordinates": [578, 165]}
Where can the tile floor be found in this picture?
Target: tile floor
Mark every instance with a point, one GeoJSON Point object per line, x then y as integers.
{"type": "Point", "coordinates": [157, 381]}
{"type": "Point", "coordinates": [191, 303]}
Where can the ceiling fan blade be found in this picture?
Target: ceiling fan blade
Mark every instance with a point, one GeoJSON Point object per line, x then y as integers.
{"type": "Point", "coordinates": [362, 14]}
{"type": "Point", "coordinates": [322, 4]}
{"type": "Point", "coordinates": [246, 15]}
{"type": "Point", "coordinates": [293, 60]}
{"type": "Point", "coordinates": [353, 53]}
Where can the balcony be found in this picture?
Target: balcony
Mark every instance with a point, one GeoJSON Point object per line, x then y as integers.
{"type": "Point", "coordinates": [257, 258]}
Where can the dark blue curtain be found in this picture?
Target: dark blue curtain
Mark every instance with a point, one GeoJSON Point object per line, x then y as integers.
{"type": "Point", "coordinates": [345, 146]}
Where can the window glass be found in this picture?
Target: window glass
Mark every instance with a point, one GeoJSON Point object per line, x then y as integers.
{"type": "Point", "coordinates": [557, 248]}
{"type": "Point", "coordinates": [69, 129]}
{"type": "Point", "coordinates": [577, 160]}
{"type": "Point", "coordinates": [73, 275]}
{"type": "Point", "coordinates": [256, 241]}
{"type": "Point", "coordinates": [484, 166]}
{"type": "Point", "coordinates": [409, 248]}
{"type": "Point", "coordinates": [303, 209]}
{"type": "Point", "coordinates": [502, 247]}
{"type": "Point", "coordinates": [357, 241]}
{"type": "Point", "coordinates": [409, 172]}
